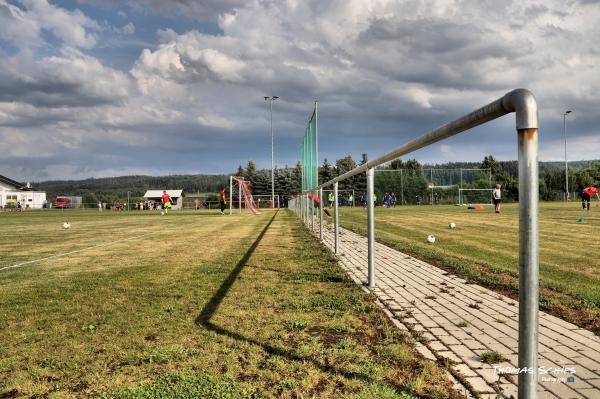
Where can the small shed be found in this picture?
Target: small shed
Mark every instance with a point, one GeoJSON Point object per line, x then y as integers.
{"type": "Point", "coordinates": [154, 196]}
{"type": "Point", "coordinates": [13, 193]}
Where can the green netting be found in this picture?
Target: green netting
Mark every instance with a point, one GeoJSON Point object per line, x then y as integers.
{"type": "Point", "coordinates": [310, 175]}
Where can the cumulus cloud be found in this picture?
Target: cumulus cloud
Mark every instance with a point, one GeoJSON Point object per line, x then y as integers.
{"type": "Point", "coordinates": [70, 79]}
{"type": "Point", "coordinates": [23, 25]}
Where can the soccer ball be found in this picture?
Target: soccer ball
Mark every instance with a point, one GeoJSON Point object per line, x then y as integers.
{"type": "Point", "coordinates": [452, 225]}
{"type": "Point", "coordinates": [162, 213]}
{"type": "Point", "coordinates": [430, 239]}
{"type": "Point", "coordinates": [66, 225]}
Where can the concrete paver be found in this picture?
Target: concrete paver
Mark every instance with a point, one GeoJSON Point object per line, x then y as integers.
{"type": "Point", "coordinates": [460, 321]}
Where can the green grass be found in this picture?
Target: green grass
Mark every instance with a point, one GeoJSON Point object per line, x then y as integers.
{"type": "Point", "coordinates": [484, 248]}
{"type": "Point", "coordinates": [491, 357]}
{"type": "Point", "coordinates": [193, 304]}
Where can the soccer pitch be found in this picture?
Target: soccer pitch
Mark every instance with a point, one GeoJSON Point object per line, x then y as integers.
{"type": "Point", "coordinates": [484, 248]}
{"type": "Point", "coordinates": [193, 304]}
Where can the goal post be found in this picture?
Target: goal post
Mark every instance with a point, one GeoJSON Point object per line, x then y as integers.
{"type": "Point", "coordinates": [245, 199]}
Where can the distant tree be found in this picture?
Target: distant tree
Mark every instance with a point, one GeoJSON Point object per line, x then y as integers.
{"type": "Point", "coordinates": [297, 178]}
{"type": "Point", "coordinates": [412, 164]}
{"type": "Point", "coordinates": [397, 164]}
{"type": "Point", "coordinates": [342, 166]}
{"type": "Point", "coordinates": [250, 172]}
{"type": "Point", "coordinates": [89, 198]}
{"type": "Point", "coordinates": [489, 162]}
{"type": "Point", "coordinates": [261, 182]}
{"type": "Point", "coordinates": [326, 172]}
{"type": "Point", "coordinates": [240, 171]}
{"type": "Point", "coordinates": [360, 180]}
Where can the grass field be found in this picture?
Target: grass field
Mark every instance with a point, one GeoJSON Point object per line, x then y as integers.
{"type": "Point", "coordinates": [484, 248]}
{"type": "Point", "coordinates": [193, 304]}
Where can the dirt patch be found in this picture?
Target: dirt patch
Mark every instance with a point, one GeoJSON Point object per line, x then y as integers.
{"type": "Point", "coordinates": [329, 336]}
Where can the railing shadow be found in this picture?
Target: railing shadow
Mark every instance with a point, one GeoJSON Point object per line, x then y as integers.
{"type": "Point", "coordinates": [204, 320]}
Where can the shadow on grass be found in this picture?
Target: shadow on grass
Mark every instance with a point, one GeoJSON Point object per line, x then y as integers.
{"type": "Point", "coordinates": [203, 319]}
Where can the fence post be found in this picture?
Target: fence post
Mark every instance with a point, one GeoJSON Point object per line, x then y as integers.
{"type": "Point", "coordinates": [312, 212]}
{"type": "Point", "coordinates": [321, 214]}
{"type": "Point", "coordinates": [528, 262]}
{"type": "Point", "coordinates": [371, 225]}
{"type": "Point", "coordinates": [336, 213]}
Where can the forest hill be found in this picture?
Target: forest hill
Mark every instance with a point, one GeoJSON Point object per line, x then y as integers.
{"type": "Point", "coordinates": [287, 179]}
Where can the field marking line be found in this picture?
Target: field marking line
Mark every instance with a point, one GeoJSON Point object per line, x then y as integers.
{"type": "Point", "coordinates": [76, 251]}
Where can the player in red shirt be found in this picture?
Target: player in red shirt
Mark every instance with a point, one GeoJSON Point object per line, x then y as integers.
{"type": "Point", "coordinates": [166, 201]}
{"type": "Point", "coordinates": [586, 196]}
{"type": "Point", "coordinates": [222, 201]}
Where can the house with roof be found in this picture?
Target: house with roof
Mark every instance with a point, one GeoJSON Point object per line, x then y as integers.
{"type": "Point", "coordinates": [154, 197]}
{"type": "Point", "coordinates": [14, 194]}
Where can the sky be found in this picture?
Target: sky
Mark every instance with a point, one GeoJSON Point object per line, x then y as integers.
{"type": "Point", "coordinates": [109, 88]}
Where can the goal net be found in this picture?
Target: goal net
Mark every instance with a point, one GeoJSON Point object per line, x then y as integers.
{"type": "Point", "coordinates": [475, 196]}
{"type": "Point", "coordinates": [245, 200]}
{"type": "Point", "coordinates": [433, 185]}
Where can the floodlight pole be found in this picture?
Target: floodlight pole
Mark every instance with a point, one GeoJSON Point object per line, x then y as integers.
{"type": "Point", "coordinates": [567, 196]}
{"type": "Point", "coordinates": [271, 99]}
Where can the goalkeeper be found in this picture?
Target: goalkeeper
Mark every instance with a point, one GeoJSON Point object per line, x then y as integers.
{"type": "Point", "coordinates": [166, 201]}
{"type": "Point", "coordinates": [222, 201]}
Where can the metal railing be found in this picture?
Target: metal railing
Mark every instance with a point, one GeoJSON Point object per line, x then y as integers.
{"type": "Point", "coordinates": [523, 104]}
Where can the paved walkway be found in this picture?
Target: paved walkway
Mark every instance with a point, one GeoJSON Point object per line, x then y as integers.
{"type": "Point", "coordinates": [460, 321]}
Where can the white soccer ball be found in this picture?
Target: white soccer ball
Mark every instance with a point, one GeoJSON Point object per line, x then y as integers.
{"type": "Point", "coordinates": [66, 225]}
{"type": "Point", "coordinates": [430, 239]}
{"type": "Point", "coordinates": [162, 213]}
{"type": "Point", "coordinates": [452, 225]}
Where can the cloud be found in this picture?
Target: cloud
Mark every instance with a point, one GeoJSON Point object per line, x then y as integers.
{"type": "Point", "coordinates": [70, 79]}
{"type": "Point", "coordinates": [23, 25]}
{"type": "Point", "coordinates": [127, 29]}
{"type": "Point", "coordinates": [386, 70]}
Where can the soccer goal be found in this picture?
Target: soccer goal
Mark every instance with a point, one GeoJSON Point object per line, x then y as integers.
{"type": "Point", "coordinates": [266, 201]}
{"type": "Point", "coordinates": [245, 200]}
{"type": "Point", "coordinates": [475, 196]}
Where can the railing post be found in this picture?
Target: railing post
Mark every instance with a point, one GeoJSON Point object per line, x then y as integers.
{"type": "Point", "coordinates": [336, 214]}
{"type": "Point", "coordinates": [312, 212]}
{"type": "Point", "coordinates": [371, 225]}
{"type": "Point", "coordinates": [321, 214]}
{"type": "Point", "coordinates": [528, 262]}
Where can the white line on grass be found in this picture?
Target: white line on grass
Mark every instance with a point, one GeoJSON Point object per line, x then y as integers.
{"type": "Point", "coordinates": [76, 251]}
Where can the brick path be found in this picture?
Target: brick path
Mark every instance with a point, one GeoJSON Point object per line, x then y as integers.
{"type": "Point", "coordinates": [460, 321]}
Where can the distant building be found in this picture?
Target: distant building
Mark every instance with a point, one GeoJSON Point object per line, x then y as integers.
{"type": "Point", "coordinates": [13, 193]}
{"type": "Point", "coordinates": [154, 196]}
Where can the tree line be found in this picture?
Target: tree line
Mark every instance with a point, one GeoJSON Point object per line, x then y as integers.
{"type": "Point", "coordinates": [416, 177]}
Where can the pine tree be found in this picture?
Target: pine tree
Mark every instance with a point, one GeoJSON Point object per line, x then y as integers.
{"type": "Point", "coordinates": [326, 172]}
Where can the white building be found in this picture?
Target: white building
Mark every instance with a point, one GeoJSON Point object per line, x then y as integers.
{"type": "Point", "coordinates": [176, 196]}
{"type": "Point", "coordinates": [13, 193]}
